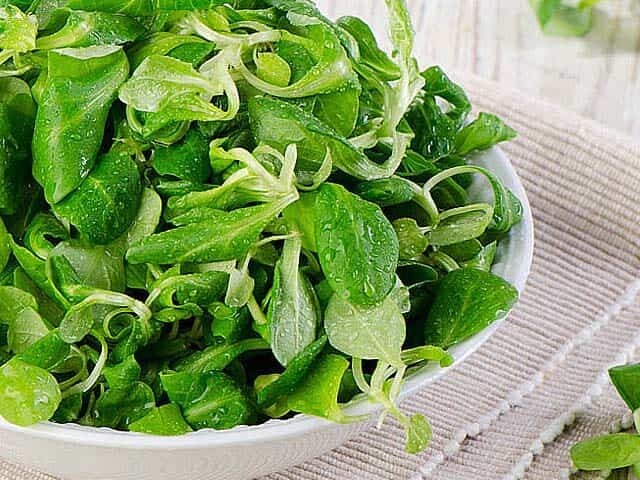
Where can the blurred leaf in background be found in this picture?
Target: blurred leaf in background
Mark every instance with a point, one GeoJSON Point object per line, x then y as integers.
{"type": "Point", "coordinates": [559, 18]}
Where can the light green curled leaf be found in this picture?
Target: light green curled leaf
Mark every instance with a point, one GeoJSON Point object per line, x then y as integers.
{"type": "Point", "coordinates": [507, 208]}
{"type": "Point", "coordinates": [461, 224]}
{"type": "Point", "coordinates": [332, 71]}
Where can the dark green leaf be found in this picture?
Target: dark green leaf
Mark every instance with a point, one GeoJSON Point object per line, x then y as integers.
{"type": "Point", "coordinates": [106, 203]}
{"type": "Point", "coordinates": [218, 357]}
{"type": "Point", "coordinates": [229, 238]}
{"type": "Point", "coordinates": [357, 246]}
{"type": "Point", "coordinates": [17, 117]}
{"type": "Point", "coordinates": [626, 379]}
{"type": "Point", "coordinates": [483, 133]}
{"type": "Point", "coordinates": [466, 301]}
{"type": "Point", "coordinates": [119, 407]}
{"type": "Point", "coordinates": [211, 400]}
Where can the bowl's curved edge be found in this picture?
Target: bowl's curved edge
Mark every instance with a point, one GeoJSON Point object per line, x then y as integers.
{"type": "Point", "coordinates": [521, 240]}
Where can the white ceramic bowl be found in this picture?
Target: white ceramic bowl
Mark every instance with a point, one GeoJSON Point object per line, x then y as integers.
{"type": "Point", "coordinates": [80, 453]}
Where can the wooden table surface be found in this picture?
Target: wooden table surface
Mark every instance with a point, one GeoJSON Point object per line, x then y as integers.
{"type": "Point", "coordinates": [597, 76]}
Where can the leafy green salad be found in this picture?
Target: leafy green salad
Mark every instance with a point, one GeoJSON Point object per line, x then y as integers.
{"type": "Point", "coordinates": [217, 212]}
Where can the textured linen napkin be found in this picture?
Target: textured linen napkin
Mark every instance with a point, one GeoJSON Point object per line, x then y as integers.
{"type": "Point", "coordinates": [515, 407]}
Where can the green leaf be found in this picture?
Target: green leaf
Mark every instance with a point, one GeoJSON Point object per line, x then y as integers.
{"type": "Point", "coordinates": [145, 223]}
{"type": "Point", "coordinates": [332, 71]}
{"type": "Point", "coordinates": [122, 374]}
{"type": "Point", "coordinates": [295, 372]}
{"type": "Point", "coordinates": [211, 400]}
{"type": "Point", "coordinates": [557, 18]}
{"type": "Point", "coordinates": [17, 117]}
{"type": "Point", "coordinates": [438, 84]}
{"type": "Point", "coordinates": [357, 246]}
{"type": "Point", "coordinates": [371, 55]}
{"type": "Point", "coordinates": [371, 333]}
{"type": "Point", "coordinates": [484, 259]}
{"type": "Point", "coordinates": [187, 48]}
{"type": "Point", "coordinates": [81, 87]}
{"type": "Point", "coordinates": [36, 269]}
{"type": "Point", "coordinates": [142, 8]}
{"type": "Point", "coordinates": [188, 160]}
{"type": "Point", "coordinates": [106, 203]}
{"type": "Point", "coordinates": [41, 231]}
{"type": "Point", "coordinates": [87, 29]}
{"type": "Point", "coordinates": [411, 239]}
{"type": "Point", "coordinates": [293, 311]}
{"type": "Point", "coordinates": [301, 216]}
{"type": "Point", "coordinates": [228, 324]}
{"type": "Point", "coordinates": [507, 209]}
{"type": "Point", "coordinates": [340, 109]}
{"type": "Point", "coordinates": [119, 407]}
{"type": "Point", "coordinates": [317, 394]}
{"type": "Point", "coordinates": [466, 301]}
{"type": "Point", "coordinates": [386, 192]}
{"type": "Point", "coordinates": [28, 394]}
{"type": "Point", "coordinates": [276, 122]}
{"type": "Point", "coordinates": [174, 91]}
{"type": "Point", "coordinates": [218, 357]}
{"type": "Point", "coordinates": [5, 246]}
{"type": "Point", "coordinates": [607, 452]}
{"type": "Point", "coordinates": [96, 266]}
{"type": "Point", "coordinates": [47, 352]}
{"type": "Point", "coordinates": [418, 434]}
{"type": "Point", "coordinates": [18, 31]}
{"type": "Point", "coordinates": [415, 274]}
{"type": "Point", "coordinates": [166, 420]}
{"type": "Point", "coordinates": [227, 239]}
{"type": "Point", "coordinates": [435, 131]}
{"type": "Point", "coordinates": [26, 329]}
{"type": "Point", "coordinates": [273, 69]}
{"type": "Point", "coordinates": [626, 379]}
{"type": "Point", "coordinates": [483, 133]}
{"type": "Point", "coordinates": [461, 224]}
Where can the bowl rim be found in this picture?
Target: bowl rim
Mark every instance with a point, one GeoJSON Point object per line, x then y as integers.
{"type": "Point", "coordinates": [299, 424]}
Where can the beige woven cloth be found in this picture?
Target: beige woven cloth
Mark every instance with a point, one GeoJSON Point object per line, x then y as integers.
{"type": "Point", "coordinates": [501, 414]}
